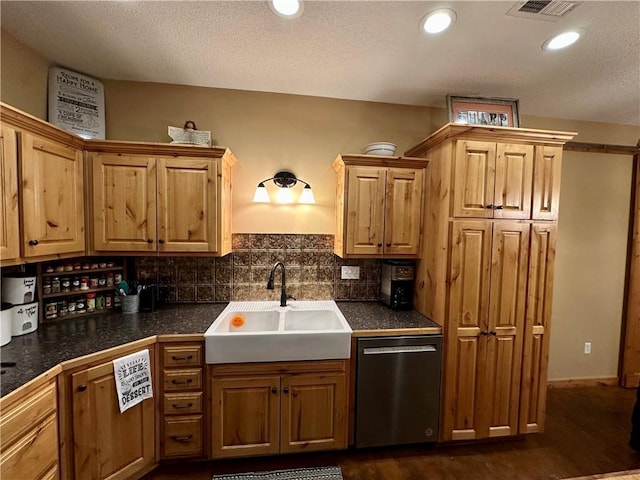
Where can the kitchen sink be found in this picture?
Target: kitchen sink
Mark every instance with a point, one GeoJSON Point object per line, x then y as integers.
{"type": "Point", "coordinates": [266, 332]}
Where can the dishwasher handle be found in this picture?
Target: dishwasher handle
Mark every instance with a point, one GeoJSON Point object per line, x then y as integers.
{"type": "Point", "coordinates": [399, 349]}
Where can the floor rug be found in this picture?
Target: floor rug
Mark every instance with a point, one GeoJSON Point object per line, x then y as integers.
{"type": "Point", "coordinates": [321, 473]}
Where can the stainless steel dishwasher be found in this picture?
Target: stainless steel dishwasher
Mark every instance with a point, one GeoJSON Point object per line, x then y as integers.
{"type": "Point", "coordinates": [398, 390]}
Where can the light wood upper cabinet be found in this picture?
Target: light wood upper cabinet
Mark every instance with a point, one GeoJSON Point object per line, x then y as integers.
{"type": "Point", "coordinates": [9, 213]}
{"type": "Point", "coordinates": [488, 277]}
{"type": "Point", "coordinates": [146, 200]}
{"type": "Point", "coordinates": [492, 180]}
{"type": "Point", "coordinates": [107, 443]}
{"type": "Point", "coordinates": [546, 183]}
{"type": "Point", "coordinates": [260, 409]}
{"type": "Point", "coordinates": [49, 167]}
{"type": "Point", "coordinates": [379, 206]}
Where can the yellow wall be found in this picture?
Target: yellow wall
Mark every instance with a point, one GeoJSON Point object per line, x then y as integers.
{"type": "Point", "coordinates": [23, 77]}
{"type": "Point", "coordinates": [269, 132]}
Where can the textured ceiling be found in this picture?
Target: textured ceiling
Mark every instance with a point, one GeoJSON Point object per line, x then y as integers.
{"type": "Point", "coordinates": [360, 50]}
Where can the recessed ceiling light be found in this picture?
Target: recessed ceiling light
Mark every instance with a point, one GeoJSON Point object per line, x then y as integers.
{"type": "Point", "coordinates": [562, 40]}
{"type": "Point", "coordinates": [437, 21]}
{"type": "Point", "coordinates": [287, 8]}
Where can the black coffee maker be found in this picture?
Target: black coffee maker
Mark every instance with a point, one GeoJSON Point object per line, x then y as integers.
{"type": "Point", "coordinates": [148, 298]}
{"type": "Point", "coordinates": [397, 284]}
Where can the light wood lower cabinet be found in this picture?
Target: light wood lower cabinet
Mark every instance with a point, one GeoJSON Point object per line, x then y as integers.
{"type": "Point", "coordinates": [29, 432]}
{"type": "Point", "coordinates": [262, 409]}
{"type": "Point", "coordinates": [107, 443]}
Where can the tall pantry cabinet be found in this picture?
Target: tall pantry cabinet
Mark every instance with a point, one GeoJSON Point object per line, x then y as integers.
{"type": "Point", "coordinates": [486, 272]}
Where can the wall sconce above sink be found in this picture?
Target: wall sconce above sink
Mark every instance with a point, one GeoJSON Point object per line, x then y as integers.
{"type": "Point", "coordinates": [284, 180]}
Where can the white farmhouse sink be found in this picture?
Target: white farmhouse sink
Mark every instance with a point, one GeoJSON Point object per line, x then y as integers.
{"type": "Point", "coordinates": [304, 330]}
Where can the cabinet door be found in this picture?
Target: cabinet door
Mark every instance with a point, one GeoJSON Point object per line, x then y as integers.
{"type": "Point", "coordinates": [468, 317]}
{"type": "Point", "coordinates": [52, 197]}
{"type": "Point", "coordinates": [500, 392]}
{"type": "Point", "coordinates": [365, 210]}
{"type": "Point", "coordinates": [313, 413]}
{"type": "Point", "coordinates": [9, 216]}
{"type": "Point", "coordinates": [474, 176]}
{"type": "Point", "coordinates": [403, 211]}
{"type": "Point", "coordinates": [124, 203]}
{"type": "Point", "coordinates": [187, 205]}
{"type": "Point", "coordinates": [513, 181]}
{"type": "Point", "coordinates": [546, 183]}
{"type": "Point", "coordinates": [536, 334]}
{"type": "Point", "coordinates": [107, 443]}
{"type": "Point", "coordinates": [245, 416]}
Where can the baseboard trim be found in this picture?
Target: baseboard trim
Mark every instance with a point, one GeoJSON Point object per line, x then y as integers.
{"type": "Point", "coordinates": [583, 382]}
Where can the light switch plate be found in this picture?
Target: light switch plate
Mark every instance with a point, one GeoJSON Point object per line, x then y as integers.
{"type": "Point", "coordinates": [350, 273]}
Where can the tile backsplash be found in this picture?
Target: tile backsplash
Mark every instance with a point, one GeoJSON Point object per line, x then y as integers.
{"type": "Point", "coordinates": [312, 272]}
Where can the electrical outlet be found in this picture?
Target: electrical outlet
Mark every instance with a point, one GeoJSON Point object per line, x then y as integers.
{"type": "Point", "coordinates": [350, 273]}
{"type": "Point", "coordinates": [587, 347]}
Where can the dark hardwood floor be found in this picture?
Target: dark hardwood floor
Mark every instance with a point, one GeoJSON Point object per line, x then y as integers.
{"type": "Point", "coordinates": [587, 433]}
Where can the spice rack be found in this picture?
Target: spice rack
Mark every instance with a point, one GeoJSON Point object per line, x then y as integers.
{"type": "Point", "coordinates": [78, 287]}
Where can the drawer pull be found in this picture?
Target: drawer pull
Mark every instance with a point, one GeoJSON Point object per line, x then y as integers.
{"type": "Point", "coordinates": [182, 382]}
{"type": "Point", "coordinates": [185, 438]}
{"type": "Point", "coordinates": [177, 406]}
{"type": "Point", "coordinates": [186, 357]}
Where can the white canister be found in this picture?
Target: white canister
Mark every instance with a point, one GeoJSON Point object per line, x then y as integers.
{"type": "Point", "coordinates": [24, 318]}
{"type": "Point", "coordinates": [18, 289]}
{"type": "Point", "coordinates": [6, 322]}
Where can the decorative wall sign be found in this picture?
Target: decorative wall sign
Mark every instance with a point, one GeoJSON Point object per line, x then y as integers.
{"type": "Point", "coordinates": [133, 379]}
{"type": "Point", "coordinates": [498, 112]}
{"type": "Point", "coordinates": [76, 103]}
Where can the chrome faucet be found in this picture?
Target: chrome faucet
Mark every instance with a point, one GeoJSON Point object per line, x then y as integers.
{"type": "Point", "coordinates": [283, 292]}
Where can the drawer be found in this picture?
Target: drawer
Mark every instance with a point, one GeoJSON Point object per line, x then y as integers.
{"type": "Point", "coordinates": [182, 436]}
{"type": "Point", "coordinates": [34, 455]}
{"type": "Point", "coordinates": [182, 403]}
{"type": "Point", "coordinates": [182, 355]}
{"type": "Point", "coordinates": [182, 379]}
{"type": "Point", "coordinates": [15, 422]}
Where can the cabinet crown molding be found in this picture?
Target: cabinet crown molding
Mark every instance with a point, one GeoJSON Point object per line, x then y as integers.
{"type": "Point", "coordinates": [492, 134]}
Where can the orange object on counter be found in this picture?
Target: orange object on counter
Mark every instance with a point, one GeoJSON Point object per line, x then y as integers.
{"type": "Point", "coordinates": [237, 321]}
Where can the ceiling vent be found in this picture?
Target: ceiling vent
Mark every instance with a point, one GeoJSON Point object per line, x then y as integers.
{"type": "Point", "coordinates": [548, 10]}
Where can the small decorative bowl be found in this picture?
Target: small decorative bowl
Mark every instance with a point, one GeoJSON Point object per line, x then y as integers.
{"type": "Point", "coordinates": [380, 148]}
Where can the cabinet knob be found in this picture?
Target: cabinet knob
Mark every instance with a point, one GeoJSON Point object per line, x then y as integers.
{"type": "Point", "coordinates": [493, 333]}
{"type": "Point", "coordinates": [489, 206]}
{"type": "Point", "coordinates": [484, 333]}
{"type": "Point", "coordinates": [285, 389]}
{"type": "Point", "coordinates": [82, 388]}
{"type": "Point", "coordinates": [33, 243]}
{"type": "Point", "coordinates": [389, 244]}
{"type": "Point", "coordinates": [149, 240]}
{"type": "Point", "coordinates": [379, 245]}
{"type": "Point", "coordinates": [274, 390]}
{"type": "Point", "coordinates": [161, 241]}
{"type": "Point", "coordinates": [499, 207]}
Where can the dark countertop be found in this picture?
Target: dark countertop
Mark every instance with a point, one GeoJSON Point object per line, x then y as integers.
{"type": "Point", "coordinates": [56, 342]}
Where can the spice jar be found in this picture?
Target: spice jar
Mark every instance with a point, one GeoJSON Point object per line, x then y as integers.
{"type": "Point", "coordinates": [49, 269]}
{"type": "Point", "coordinates": [75, 284]}
{"type": "Point", "coordinates": [68, 267]}
{"type": "Point", "coordinates": [84, 283]}
{"type": "Point", "coordinates": [77, 266]}
{"type": "Point", "coordinates": [108, 300]}
{"type": "Point", "coordinates": [109, 264]}
{"type": "Point", "coordinates": [60, 268]}
{"type": "Point", "coordinates": [102, 281]}
{"type": "Point", "coordinates": [110, 279]}
{"type": "Point", "coordinates": [81, 306]}
{"type": "Point", "coordinates": [94, 265]}
{"type": "Point", "coordinates": [62, 308]}
{"type": "Point", "coordinates": [93, 282]}
{"type": "Point", "coordinates": [71, 305]}
{"type": "Point", "coordinates": [91, 302]}
{"type": "Point", "coordinates": [99, 302]}
{"type": "Point", "coordinates": [51, 310]}
{"type": "Point", "coordinates": [55, 285]}
{"type": "Point", "coordinates": [86, 266]}
{"type": "Point", "coordinates": [102, 265]}
{"type": "Point", "coordinates": [65, 284]}
{"type": "Point", "coordinates": [46, 287]}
